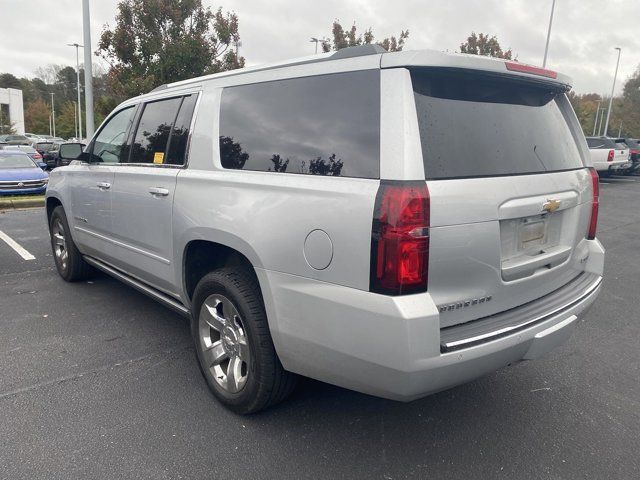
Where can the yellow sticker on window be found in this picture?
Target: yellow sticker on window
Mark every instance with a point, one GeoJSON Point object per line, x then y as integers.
{"type": "Point", "coordinates": [158, 157]}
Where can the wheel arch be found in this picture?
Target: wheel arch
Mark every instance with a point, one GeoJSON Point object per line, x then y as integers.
{"type": "Point", "coordinates": [205, 253]}
{"type": "Point", "coordinates": [51, 203]}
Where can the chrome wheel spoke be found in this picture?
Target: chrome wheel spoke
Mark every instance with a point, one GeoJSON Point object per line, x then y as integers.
{"type": "Point", "coordinates": [58, 239]}
{"type": "Point", "coordinates": [215, 355]}
{"type": "Point", "coordinates": [234, 374]}
{"type": "Point", "coordinates": [214, 320]}
{"type": "Point", "coordinates": [243, 349]}
{"type": "Point", "coordinates": [229, 312]}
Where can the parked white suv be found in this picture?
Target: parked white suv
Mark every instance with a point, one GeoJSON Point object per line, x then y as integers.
{"type": "Point", "coordinates": [320, 218]}
{"type": "Point", "coordinates": [608, 155]}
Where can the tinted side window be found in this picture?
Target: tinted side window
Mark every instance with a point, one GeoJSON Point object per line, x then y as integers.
{"type": "Point", "coordinates": [322, 125]}
{"type": "Point", "coordinates": [108, 146]}
{"type": "Point", "coordinates": [180, 133]}
{"type": "Point", "coordinates": [152, 135]}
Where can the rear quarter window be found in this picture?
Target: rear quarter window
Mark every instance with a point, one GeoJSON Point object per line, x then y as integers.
{"type": "Point", "coordinates": [321, 125]}
{"type": "Point", "coordinates": [509, 127]}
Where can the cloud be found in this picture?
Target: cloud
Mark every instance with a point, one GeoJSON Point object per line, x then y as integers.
{"type": "Point", "coordinates": [35, 33]}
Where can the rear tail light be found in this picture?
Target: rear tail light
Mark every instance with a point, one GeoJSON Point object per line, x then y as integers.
{"type": "Point", "coordinates": [400, 238]}
{"type": "Point", "coordinates": [611, 155]}
{"type": "Point", "coordinates": [593, 223]}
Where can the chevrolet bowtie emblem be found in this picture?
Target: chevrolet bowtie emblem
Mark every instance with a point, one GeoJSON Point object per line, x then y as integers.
{"type": "Point", "coordinates": [551, 206]}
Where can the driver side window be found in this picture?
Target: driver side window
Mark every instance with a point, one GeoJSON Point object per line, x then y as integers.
{"type": "Point", "coordinates": [109, 145]}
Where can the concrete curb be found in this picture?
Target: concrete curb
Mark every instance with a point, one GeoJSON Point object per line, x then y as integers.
{"type": "Point", "coordinates": [7, 203]}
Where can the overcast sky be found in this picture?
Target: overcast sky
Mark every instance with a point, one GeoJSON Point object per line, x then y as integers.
{"type": "Point", "coordinates": [34, 33]}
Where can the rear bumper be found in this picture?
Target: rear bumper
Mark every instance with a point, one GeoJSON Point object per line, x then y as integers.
{"type": "Point", "coordinates": [612, 166]}
{"type": "Point", "coordinates": [391, 346]}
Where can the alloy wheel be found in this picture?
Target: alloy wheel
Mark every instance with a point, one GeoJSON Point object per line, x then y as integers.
{"type": "Point", "coordinates": [223, 341]}
{"type": "Point", "coordinates": [60, 244]}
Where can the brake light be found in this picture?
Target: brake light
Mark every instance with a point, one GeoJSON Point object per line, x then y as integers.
{"type": "Point", "coordinates": [400, 238]}
{"type": "Point", "coordinates": [521, 67]}
{"type": "Point", "coordinates": [593, 223]}
{"type": "Point", "coordinates": [611, 155]}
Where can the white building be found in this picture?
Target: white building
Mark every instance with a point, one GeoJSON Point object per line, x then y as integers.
{"type": "Point", "coordinates": [13, 98]}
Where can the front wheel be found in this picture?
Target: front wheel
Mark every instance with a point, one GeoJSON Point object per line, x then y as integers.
{"type": "Point", "coordinates": [69, 262]}
{"type": "Point", "coordinates": [233, 343]}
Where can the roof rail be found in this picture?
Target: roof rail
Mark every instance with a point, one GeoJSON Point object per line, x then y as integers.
{"type": "Point", "coordinates": [359, 51]}
{"type": "Point", "coordinates": [349, 52]}
{"type": "Point", "coordinates": [160, 87]}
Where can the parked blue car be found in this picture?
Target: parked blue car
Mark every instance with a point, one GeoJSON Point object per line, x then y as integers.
{"type": "Point", "coordinates": [19, 174]}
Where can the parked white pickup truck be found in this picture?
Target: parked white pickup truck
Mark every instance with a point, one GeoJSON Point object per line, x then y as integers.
{"type": "Point", "coordinates": [608, 155]}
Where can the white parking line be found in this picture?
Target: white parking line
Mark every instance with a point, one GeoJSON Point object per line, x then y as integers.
{"type": "Point", "coordinates": [16, 246]}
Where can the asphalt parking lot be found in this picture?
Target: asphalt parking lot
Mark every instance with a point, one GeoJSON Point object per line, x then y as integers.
{"type": "Point", "coordinates": [98, 381]}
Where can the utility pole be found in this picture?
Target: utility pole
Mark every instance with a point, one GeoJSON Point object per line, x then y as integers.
{"type": "Point", "coordinates": [601, 121]}
{"type": "Point", "coordinates": [595, 122]}
{"type": "Point", "coordinates": [88, 69]}
{"type": "Point", "coordinates": [53, 114]}
{"type": "Point", "coordinates": [546, 47]}
{"type": "Point", "coordinates": [79, 110]}
{"type": "Point", "coordinates": [620, 130]}
{"type": "Point", "coordinates": [613, 87]}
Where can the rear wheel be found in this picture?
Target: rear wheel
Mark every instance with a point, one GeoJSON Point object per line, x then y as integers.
{"type": "Point", "coordinates": [69, 262]}
{"type": "Point", "coordinates": [233, 343]}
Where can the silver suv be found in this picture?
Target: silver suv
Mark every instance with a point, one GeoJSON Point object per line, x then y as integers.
{"type": "Point", "coordinates": [393, 223]}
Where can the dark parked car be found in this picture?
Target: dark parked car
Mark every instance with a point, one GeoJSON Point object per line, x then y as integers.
{"type": "Point", "coordinates": [634, 155]}
{"type": "Point", "coordinates": [52, 156]}
{"type": "Point", "coordinates": [16, 140]}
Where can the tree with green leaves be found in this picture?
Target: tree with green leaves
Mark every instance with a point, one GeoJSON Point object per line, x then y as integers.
{"type": "Point", "coordinates": [161, 41]}
{"type": "Point", "coordinates": [36, 116]}
{"type": "Point", "coordinates": [350, 38]}
{"type": "Point", "coordinates": [481, 44]}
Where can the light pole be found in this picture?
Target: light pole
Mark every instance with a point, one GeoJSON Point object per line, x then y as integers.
{"type": "Point", "coordinates": [613, 87]}
{"type": "Point", "coordinates": [88, 69]}
{"type": "Point", "coordinates": [595, 123]}
{"type": "Point", "coordinates": [53, 114]}
{"type": "Point", "coordinates": [620, 130]}
{"type": "Point", "coordinates": [546, 47]}
{"type": "Point", "coordinates": [317, 41]}
{"type": "Point", "coordinates": [78, 111]}
{"type": "Point", "coordinates": [75, 119]}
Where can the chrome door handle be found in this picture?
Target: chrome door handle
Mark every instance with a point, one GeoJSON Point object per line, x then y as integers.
{"type": "Point", "coordinates": [103, 185]}
{"type": "Point", "coordinates": [158, 192]}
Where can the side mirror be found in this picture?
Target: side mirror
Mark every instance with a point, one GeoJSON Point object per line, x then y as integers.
{"type": "Point", "coordinates": [71, 151]}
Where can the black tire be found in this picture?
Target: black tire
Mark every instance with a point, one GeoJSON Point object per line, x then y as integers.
{"type": "Point", "coordinates": [73, 268]}
{"type": "Point", "coordinates": [267, 383]}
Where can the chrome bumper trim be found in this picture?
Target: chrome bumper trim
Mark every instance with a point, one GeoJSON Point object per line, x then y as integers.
{"type": "Point", "coordinates": [448, 346]}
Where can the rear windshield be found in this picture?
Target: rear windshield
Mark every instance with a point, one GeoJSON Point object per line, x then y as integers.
{"type": "Point", "coordinates": [474, 125]}
{"type": "Point", "coordinates": [632, 143]}
{"type": "Point", "coordinates": [45, 147]}
{"type": "Point", "coordinates": [600, 143]}
{"type": "Point", "coordinates": [15, 161]}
